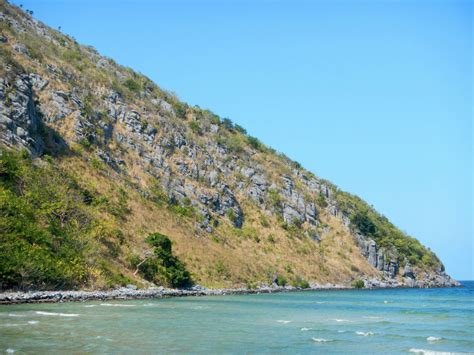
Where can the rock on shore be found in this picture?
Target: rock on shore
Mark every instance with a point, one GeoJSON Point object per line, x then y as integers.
{"type": "Point", "coordinates": [130, 292]}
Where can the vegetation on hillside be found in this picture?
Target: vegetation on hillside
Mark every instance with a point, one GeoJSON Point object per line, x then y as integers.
{"type": "Point", "coordinates": [75, 220]}
{"type": "Point", "coordinates": [55, 235]}
{"type": "Point", "coordinates": [376, 226]}
{"type": "Point", "coordinates": [163, 268]}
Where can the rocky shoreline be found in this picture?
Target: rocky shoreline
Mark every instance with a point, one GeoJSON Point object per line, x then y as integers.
{"type": "Point", "coordinates": [130, 292]}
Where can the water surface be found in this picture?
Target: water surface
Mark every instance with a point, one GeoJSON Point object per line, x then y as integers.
{"type": "Point", "coordinates": [376, 321]}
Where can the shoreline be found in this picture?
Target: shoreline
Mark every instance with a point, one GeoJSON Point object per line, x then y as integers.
{"type": "Point", "coordinates": [124, 293]}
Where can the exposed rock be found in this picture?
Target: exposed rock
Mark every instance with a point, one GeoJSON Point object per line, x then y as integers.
{"type": "Point", "coordinates": [20, 48]}
{"type": "Point", "coordinates": [408, 271]}
{"type": "Point", "coordinates": [291, 215]}
{"type": "Point", "coordinates": [38, 82]}
{"type": "Point", "coordinates": [372, 253]}
{"type": "Point", "coordinates": [20, 122]}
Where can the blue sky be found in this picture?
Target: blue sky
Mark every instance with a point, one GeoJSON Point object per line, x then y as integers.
{"type": "Point", "coordinates": [375, 96]}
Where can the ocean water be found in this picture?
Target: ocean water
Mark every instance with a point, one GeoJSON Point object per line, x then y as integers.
{"type": "Point", "coordinates": [375, 321]}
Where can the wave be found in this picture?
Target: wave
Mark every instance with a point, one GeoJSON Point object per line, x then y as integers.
{"type": "Point", "coordinates": [33, 322]}
{"type": "Point", "coordinates": [433, 339]}
{"type": "Point", "coordinates": [284, 321]}
{"type": "Point", "coordinates": [57, 314]}
{"type": "Point", "coordinates": [342, 320]}
{"type": "Point", "coordinates": [431, 352]}
{"type": "Point", "coordinates": [321, 340]}
{"type": "Point", "coordinates": [10, 351]}
{"type": "Point", "coordinates": [117, 305]}
{"type": "Point", "coordinates": [89, 305]}
{"type": "Point", "coordinates": [364, 334]}
{"type": "Point", "coordinates": [305, 329]}
{"type": "Point", "coordinates": [16, 315]}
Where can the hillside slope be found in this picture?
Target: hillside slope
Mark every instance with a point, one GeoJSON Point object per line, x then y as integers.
{"type": "Point", "coordinates": [104, 157]}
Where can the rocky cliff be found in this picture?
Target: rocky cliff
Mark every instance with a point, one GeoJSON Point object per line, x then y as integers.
{"type": "Point", "coordinates": [238, 212]}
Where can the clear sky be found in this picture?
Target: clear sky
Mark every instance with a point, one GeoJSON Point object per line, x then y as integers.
{"type": "Point", "coordinates": [375, 96]}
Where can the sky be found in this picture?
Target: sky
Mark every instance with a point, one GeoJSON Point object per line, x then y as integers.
{"type": "Point", "coordinates": [375, 96]}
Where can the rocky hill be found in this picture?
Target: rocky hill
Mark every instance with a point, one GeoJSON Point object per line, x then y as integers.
{"type": "Point", "coordinates": [95, 157]}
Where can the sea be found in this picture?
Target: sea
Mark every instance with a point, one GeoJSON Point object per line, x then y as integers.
{"type": "Point", "coordinates": [395, 321]}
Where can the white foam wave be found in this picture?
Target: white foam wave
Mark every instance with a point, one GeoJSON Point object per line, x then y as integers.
{"type": "Point", "coordinates": [430, 352]}
{"type": "Point", "coordinates": [10, 351]}
{"type": "Point", "coordinates": [372, 317]}
{"type": "Point", "coordinates": [16, 315]}
{"type": "Point", "coordinates": [320, 302]}
{"type": "Point", "coordinates": [57, 314]}
{"type": "Point", "coordinates": [89, 305]}
{"type": "Point", "coordinates": [284, 321]}
{"type": "Point", "coordinates": [321, 340]}
{"type": "Point", "coordinates": [364, 334]}
{"type": "Point", "coordinates": [33, 322]}
{"type": "Point", "coordinates": [342, 320]}
{"type": "Point", "coordinates": [433, 339]}
{"type": "Point", "coordinates": [385, 302]}
{"type": "Point", "coordinates": [117, 305]}
{"type": "Point", "coordinates": [305, 329]}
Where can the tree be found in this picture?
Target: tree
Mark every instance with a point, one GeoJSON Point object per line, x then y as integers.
{"type": "Point", "coordinates": [163, 267]}
{"type": "Point", "coordinates": [227, 123]}
{"type": "Point", "coordinates": [362, 221]}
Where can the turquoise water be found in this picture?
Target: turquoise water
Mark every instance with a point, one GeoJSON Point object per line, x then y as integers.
{"type": "Point", "coordinates": [378, 321]}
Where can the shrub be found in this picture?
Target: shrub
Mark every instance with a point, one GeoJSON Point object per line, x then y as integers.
{"type": "Point", "coordinates": [195, 127]}
{"type": "Point", "coordinates": [254, 143]}
{"type": "Point", "coordinates": [231, 215]}
{"type": "Point", "coordinates": [234, 144]}
{"type": "Point", "coordinates": [281, 281]}
{"type": "Point", "coordinates": [299, 282]}
{"type": "Point", "coordinates": [363, 222]}
{"type": "Point", "coordinates": [321, 201]}
{"type": "Point", "coordinates": [184, 211]}
{"type": "Point", "coordinates": [228, 124]}
{"type": "Point", "coordinates": [358, 284]}
{"type": "Point", "coordinates": [240, 129]}
{"type": "Point", "coordinates": [132, 85]}
{"type": "Point", "coordinates": [163, 267]}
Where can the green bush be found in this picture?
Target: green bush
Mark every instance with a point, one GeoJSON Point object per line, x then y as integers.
{"type": "Point", "coordinates": [299, 282]}
{"type": "Point", "coordinates": [240, 129]}
{"type": "Point", "coordinates": [254, 143]}
{"type": "Point", "coordinates": [228, 124]}
{"type": "Point", "coordinates": [195, 127]}
{"type": "Point", "coordinates": [44, 230]}
{"type": "Point", "coordinates": [321, 201]}
{"type": "Point", "coordinates": [163, 268]}
{"type": "Point", "coordinates": [234, 144]}
{"type": "Point", "coordinates": [281, 281]}
{"type": "Point", "coordinates": [363, 222]}
{"type": "Point", "coordinates": [132, 85]}
{"type": "Point", "coordinates": [358, 284]}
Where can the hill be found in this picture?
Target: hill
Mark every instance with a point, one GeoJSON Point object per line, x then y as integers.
{"type": "Point", "coordinates": [101, 168]}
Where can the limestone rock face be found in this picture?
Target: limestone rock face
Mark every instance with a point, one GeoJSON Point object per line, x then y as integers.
{"type": "Point", "coordinates": [408, 272]}
{"type": "Point", "coordinates": [20, 123]}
